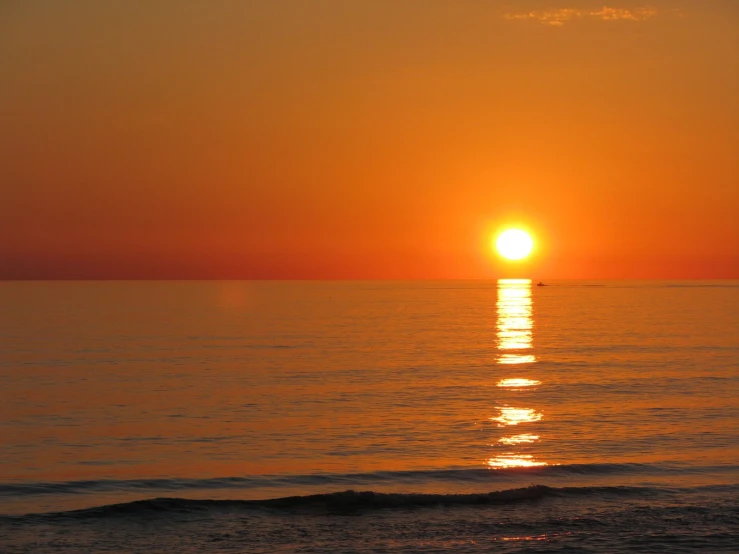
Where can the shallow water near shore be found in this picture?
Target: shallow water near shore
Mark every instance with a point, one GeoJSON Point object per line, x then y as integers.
{"type": "Point", "coordinates": [369, 416]}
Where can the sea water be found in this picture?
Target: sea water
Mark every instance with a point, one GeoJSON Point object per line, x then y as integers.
{"type": "Point", "coordinates": [419, 416]}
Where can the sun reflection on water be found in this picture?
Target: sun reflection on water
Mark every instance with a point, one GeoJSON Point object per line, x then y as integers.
{"type": "Point", "coordinates": [518, 383]}
{"type": "Point", "coordinates": [514, 460]}
{"type": "Point", "coordinates": [519, 439]}
{"type": "Point", "coordinates": [514, 416]}
{"type": "Point", "coordinates": [515, 327]}
{"type": "Point", "coordinates": [508, 359]}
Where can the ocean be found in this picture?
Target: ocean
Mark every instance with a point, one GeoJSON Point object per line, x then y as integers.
{"type": "Point", "coordinates": [348, 416]}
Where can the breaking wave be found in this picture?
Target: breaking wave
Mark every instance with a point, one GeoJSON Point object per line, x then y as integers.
{"type": "Point", "coordinates": [349, 501]}
{"type": "Point", "coordinates": [418, 477]}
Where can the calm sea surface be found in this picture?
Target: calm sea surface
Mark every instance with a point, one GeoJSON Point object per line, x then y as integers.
{"type": "Point", "coordinates": [466, 415]}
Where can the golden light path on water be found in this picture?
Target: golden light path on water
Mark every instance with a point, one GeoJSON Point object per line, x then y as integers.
{"type": "Point", "coordinates": [514, 416]}
{"type": "Point", "coordinates": [508, 359]}
{"type": "Point", "coordinates": [518, 383]}
{"type": "Point", "coordinates": [519, 439]}
{"type": "Point", "coordinates": [514, 460]}
{"type": "Point", "coordinates": [514, 329]}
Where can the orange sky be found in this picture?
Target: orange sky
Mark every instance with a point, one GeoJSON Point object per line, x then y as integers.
{"type": "Point", "coordinates": [368, 139]}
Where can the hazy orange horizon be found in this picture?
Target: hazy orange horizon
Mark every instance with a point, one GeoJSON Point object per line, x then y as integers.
{"type": "Point", "coordinates": [368, 140]}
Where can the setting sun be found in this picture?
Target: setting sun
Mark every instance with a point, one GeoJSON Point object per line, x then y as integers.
{"type": "Point", "coordinates": [514, 244]}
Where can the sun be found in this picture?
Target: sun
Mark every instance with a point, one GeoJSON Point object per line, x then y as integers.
{"type": "Point", "coordinates": [514, 244]}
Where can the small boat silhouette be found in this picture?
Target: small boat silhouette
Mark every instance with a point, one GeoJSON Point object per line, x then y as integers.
{"type": "Point", "coordinates": [540, 284]}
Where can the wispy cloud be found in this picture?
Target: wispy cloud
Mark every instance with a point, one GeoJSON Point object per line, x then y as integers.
{"type": "Point", "coordinates": [560, 16]}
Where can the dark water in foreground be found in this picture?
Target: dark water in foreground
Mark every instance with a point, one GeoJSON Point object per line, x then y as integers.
{"type": "Point", "coordinates": [369, 417]}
